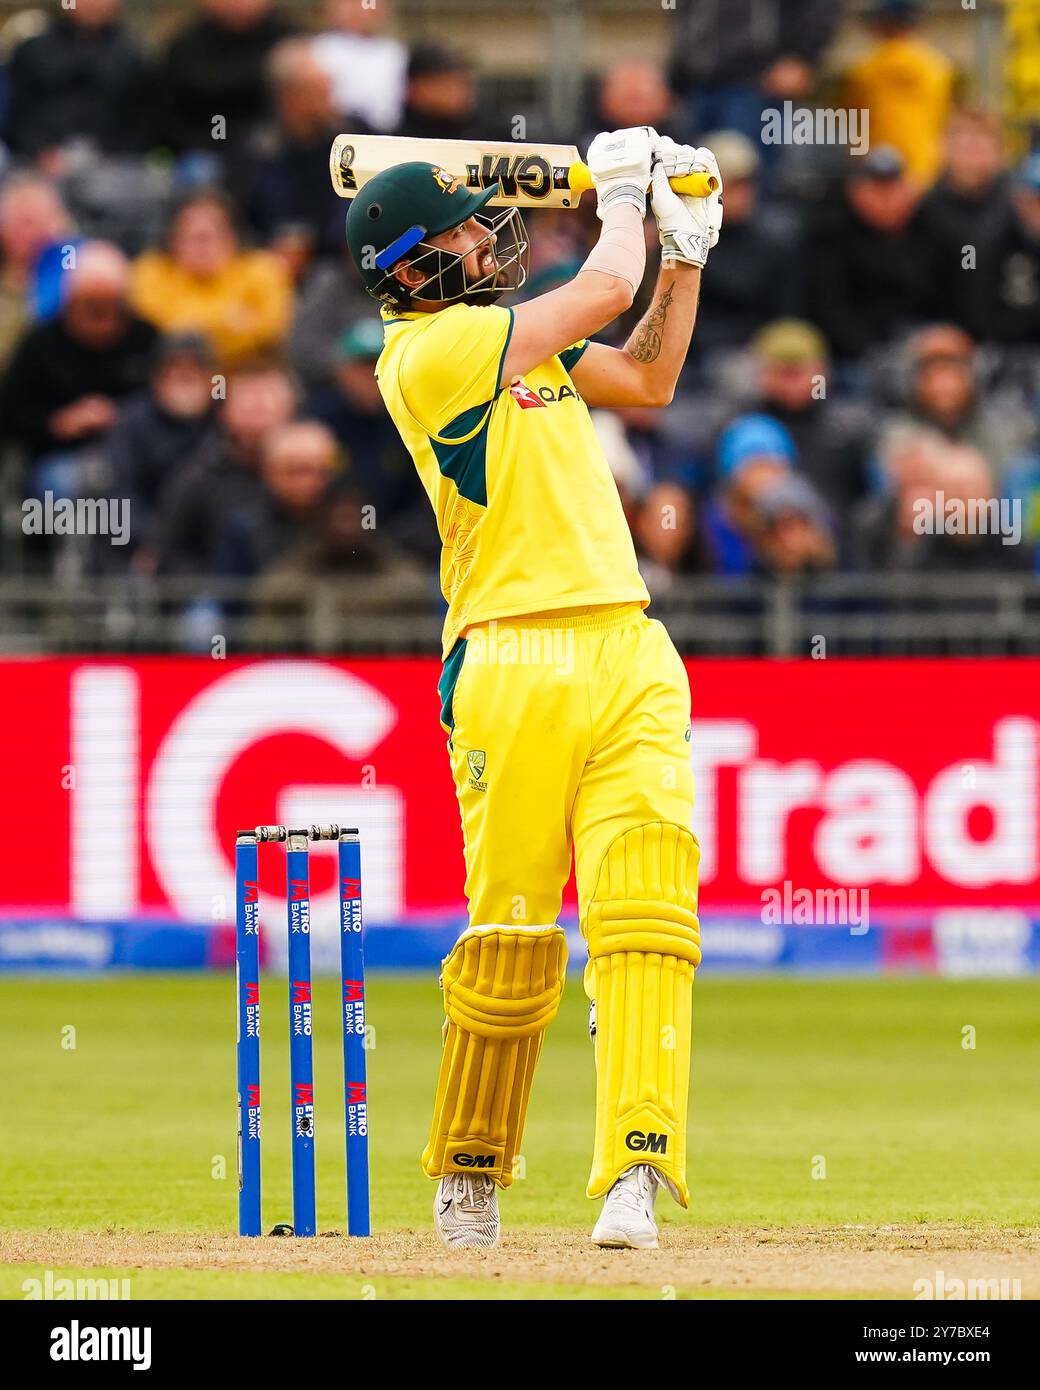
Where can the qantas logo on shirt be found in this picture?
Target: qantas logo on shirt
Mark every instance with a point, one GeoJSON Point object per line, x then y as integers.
{"type": "Point", "coordinates": [524, 396]}
{"type": "Point", "coordinates": [527, 399]}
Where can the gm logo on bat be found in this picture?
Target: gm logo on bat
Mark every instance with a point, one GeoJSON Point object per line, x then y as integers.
{"type": "Point", "coordinates": [530, 175]}
{"type": "Point", "coordinates": [521, 175]}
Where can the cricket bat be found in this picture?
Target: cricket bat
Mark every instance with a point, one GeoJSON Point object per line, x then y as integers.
{"type": "Point", "coordinates": [546, 176]}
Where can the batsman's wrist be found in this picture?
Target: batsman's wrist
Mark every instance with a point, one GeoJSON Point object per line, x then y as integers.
{"type": "Point", "coordinates": [623, 193]}
{"type": "Point", "coordinates": [690, 248]}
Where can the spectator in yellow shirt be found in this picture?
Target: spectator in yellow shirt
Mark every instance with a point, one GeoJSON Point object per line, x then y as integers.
{"type": "Point", "coordinates": [906, 85]}
{"type": "Point", "coordinates": [205, 282]}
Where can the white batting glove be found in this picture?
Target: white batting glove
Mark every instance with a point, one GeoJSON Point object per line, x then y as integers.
{"type": "Point", "coordinates": [688, 227]}
{"type": "Point", "coordinates": [619, 162]}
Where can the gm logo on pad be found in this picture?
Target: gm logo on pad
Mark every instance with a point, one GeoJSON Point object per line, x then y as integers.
{"type": "Point", "coordinates": [652, 1143]}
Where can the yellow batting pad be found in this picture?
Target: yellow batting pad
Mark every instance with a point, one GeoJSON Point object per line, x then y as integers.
{"type": "Point", "coordinates": [502, 988]}
{"type": "Point", "coordinates": [644, 945]}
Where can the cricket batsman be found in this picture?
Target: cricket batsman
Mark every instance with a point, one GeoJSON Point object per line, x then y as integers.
{"type": "Point", "coordinates": [567, 709]}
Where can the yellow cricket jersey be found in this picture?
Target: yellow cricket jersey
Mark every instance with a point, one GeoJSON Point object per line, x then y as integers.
{"type": "Point", "coordinates": [529, 516]}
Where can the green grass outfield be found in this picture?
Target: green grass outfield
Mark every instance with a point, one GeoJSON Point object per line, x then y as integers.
{"type": "Point", "coordinates": [131, 1130]}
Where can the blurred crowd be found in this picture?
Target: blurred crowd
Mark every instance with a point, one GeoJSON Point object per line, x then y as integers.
{"type": "Point", "coordinates": [180, 325]}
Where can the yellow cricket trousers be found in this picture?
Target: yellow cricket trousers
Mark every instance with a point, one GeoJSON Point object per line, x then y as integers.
{"type": "Point", "coordinates": [565, 731]}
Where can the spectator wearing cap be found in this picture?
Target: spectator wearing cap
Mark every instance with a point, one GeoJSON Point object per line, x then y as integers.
{"type": "Point", "coordinates": [205, 282]}
{"type": "Point", "coordinates": [66, 378]}
{"type": "Point", "coordinates": [865, 258]}
{"type": "Point", "coordinates": [157, 431]}
{"type": "Point", "coordinates": [222, 477]}
{"type": "Point", "coordinates": [289, 200]}
{"type": "Point", "coordinates": [81, 79]}
{"type": "Point", "coordinates": [757, 276]}
{"type": "Point", "coordinates": [906, 85]}
{"type": "Point", "coordinates": [215, 68]}
{"type": "Point", "coordinates": [832, 437]}
{"type": "Point", "coordinates": [944, 394]}
{"type": "Point", "coordinates": [441, 98]}
{"type": "Point", "coordinates": [794, 535]}
{"type": "Point", "coordinates": [732, 58]}
{"type": "Point", "coordinates": [366, 65]}
{"type": "Point", "coordinates": [375, 462]}
{"type": "Point", "coordinates": [967, 213]}
{"type": "Point", "coordinates": [753, 452]}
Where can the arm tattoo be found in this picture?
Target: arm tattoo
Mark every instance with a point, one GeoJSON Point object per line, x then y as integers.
{"type": "Point", "coordinates": [645, 343]}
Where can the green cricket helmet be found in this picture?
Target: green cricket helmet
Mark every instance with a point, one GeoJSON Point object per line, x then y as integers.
{"type": "Point", "coordinates": [392, 217]}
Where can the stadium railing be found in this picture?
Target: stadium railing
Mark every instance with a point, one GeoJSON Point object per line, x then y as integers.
{"type": "Point", "coordinates": [833, 615]}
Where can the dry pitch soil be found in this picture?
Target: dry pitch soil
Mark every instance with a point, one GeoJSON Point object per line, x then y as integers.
{"type": "Point", "coordinates": [881, 1261]}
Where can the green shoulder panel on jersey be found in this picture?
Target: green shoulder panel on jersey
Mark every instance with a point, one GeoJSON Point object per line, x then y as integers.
{"type": "Point", "coordinates": [465, 462]}
{"type": "Point", "coordinates": [571, 356]}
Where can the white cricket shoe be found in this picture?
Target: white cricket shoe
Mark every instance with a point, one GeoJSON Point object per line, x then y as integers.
{"type": "Point", "coordinates": [465, 1211]}
{"type": "Point", "coordinates": [627, 1219]}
